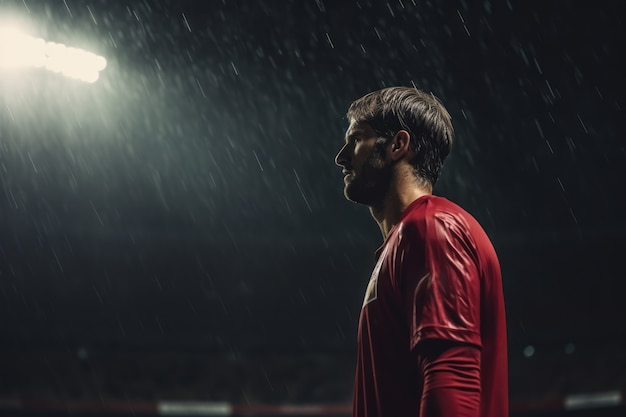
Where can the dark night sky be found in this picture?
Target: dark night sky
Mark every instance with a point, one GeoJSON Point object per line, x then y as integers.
{"type": "Point", "coordinates": [189, 197]}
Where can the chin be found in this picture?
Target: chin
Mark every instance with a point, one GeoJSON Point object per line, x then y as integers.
{"type": "Point", "coordinates": [360, 195]}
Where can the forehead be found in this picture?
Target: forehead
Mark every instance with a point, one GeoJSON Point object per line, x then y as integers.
{"type": "Point", "coordinates": [359, 128]}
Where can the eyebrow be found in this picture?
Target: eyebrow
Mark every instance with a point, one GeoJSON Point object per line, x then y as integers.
{"type": "Point", "coordinates": [350, 134]}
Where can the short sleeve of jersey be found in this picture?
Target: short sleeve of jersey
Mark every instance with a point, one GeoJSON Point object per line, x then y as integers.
{"type": "Point", "coordinates": [440, 279]}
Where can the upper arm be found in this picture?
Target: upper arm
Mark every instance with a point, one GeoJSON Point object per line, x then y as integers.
{"type": "Point", "coordinates": [440, 281]}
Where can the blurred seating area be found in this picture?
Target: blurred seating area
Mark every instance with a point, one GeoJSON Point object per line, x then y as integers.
{"type": "Point", "coordinates": [555, 371]}
{"type": "Point", "coordinates": [181, 376]}
{"type": "Point", "coordinates": [549, 374]}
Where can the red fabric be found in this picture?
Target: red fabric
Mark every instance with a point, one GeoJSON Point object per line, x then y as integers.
{"type": "Point", "coordinates": [436, 277]}
{"type": "Point", "coordinates": [451, 380]}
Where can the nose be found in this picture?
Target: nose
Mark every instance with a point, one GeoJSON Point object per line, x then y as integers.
{"type": "Point", "coordinates": [341, 159]}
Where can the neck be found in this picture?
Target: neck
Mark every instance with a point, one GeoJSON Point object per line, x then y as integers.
{"type": "Point", "coordinates": [403, 191]}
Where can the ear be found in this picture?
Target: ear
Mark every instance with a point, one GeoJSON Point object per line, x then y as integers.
{"type": "Point", "coordinates": [399, 146]}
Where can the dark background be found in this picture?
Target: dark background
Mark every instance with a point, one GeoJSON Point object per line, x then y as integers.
{"type": "Point", "coordinates": [188, 202]}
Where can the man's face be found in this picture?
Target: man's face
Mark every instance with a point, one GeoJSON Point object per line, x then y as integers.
{"type": "Point", "coordinates": [367, 173]}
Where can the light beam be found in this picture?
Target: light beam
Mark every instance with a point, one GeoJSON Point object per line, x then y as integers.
{"type": "Point", "coordinates": [19, 50]}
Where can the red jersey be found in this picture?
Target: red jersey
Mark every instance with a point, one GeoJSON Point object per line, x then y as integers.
{"type": "Point", "coordinates": [437, 276]}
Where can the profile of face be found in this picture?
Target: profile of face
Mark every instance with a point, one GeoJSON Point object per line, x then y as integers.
{"type": "Point", "coordinates": [367, 173]}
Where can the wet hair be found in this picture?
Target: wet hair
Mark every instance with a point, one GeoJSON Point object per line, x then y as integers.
{"type": "Point", "coordinates": [421, 114]}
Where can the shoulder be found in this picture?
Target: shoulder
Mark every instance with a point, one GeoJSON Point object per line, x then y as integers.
{"type": "Point", "coordinates": [435, 216]}
{"type": "Point", "coordinates": [439, 225]}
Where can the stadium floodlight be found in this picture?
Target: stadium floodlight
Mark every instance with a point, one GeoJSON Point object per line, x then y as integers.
{"type": "Point", "coordinates": [18, 50]}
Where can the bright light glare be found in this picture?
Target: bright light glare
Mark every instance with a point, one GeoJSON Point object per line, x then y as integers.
{"type": "Point", "coordinates": [18, 50]}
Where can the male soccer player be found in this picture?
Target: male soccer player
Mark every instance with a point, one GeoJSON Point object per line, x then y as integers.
{"type": "Point", "coordinates": [432, 335]}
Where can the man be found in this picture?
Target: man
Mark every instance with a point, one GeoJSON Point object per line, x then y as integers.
{"type": "Point", "coordinates": [432, 336]}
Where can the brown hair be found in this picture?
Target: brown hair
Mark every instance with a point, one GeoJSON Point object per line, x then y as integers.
{"type": "Point", "coordinates": [421, 114]}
